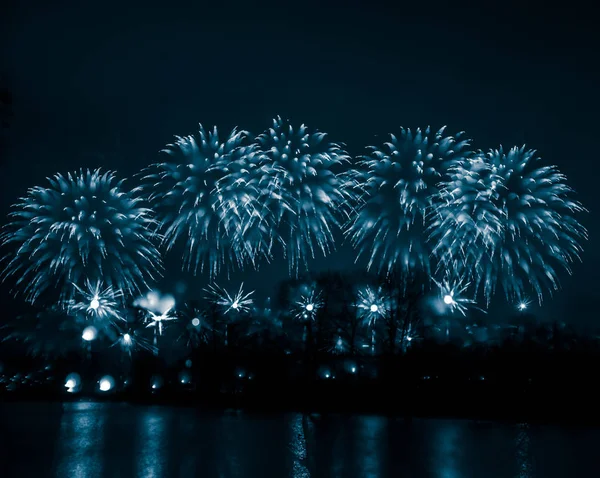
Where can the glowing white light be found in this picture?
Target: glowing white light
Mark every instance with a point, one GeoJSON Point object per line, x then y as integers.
{"type": "Point", "coordinates": [89, 333]}
{"type": "Point", "coordinates": [374, 308]}
{"type": "Point", "coordinates": [72, 382]}
{"type": "Point", "coordinates": [127, 339]}
{"type": "Point", "coordinates": [156, 382]}
{"type": "Point", "coordinates": [306, 308]}
{"type": "Point", "coordinates": [195, 322]}
{"type": "Point", "coordinates": [327, 375]}
{"type": "Point", "coordinates": [156, 320]}
{"type": "Point", "coordinates": [156, 302]}
{"type": "Point", "coordinates": [409, 338]}
{"type": "Point", "coordinates": [448, 300]}
{"type": "Point", "coordinates": [522, 306]}
{"type": "Point", "coordinates": [96, 300]}
{"type": "Point", "coordinates": [353, 369]}
{"type": "Point", "coordinates": [239, 301]}
{"type": "Point", "coordinates": [106, 383]}
{"type": "Point", "coordinates": [184, 377]}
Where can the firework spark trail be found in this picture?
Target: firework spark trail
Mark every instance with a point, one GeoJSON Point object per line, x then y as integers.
{"type": "Point", "coordinates": [498, 220]}
{"type": "Point", "coordinates": [400, 184]}
{"type": "Point", "coordinates": [466, 223]}
{"type": "Point", "coordinates": [83, 227]}
{"type": "Point", "coordinates": [204, 196]}
{"type": "Point", "coordinates": [156, 320]}
{"type": "Point", "coordinates": [304, 196]}
{"type": "Point", "coordinates": [371, 304]}
{"type": "Point", "coordinates": [130, 340]}
{"type": "Point", "coordinates": [453, 293]}
{"type": "Point", "coordinates": [515, 220]}
{"type": "Point", "coordinates": [237, 302]}
{"type": "Point", "coordinates": [96, 301]}
{"type": "Point", "coordinates": [306, 308]}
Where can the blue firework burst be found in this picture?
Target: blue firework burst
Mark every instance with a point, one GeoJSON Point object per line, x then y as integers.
{"type": "Point", "coordinates": [507, 220]}
{"type": "Point", "coordinates": [541, 233]}
{"type": "Point", "coordinates": [83, 228]}
{"type": "Point", "coordinates": [204, 197]}
{"type": "Point", "coordinates": [400, 182]}
{"type": "Point", "coordinates": [304, 195]}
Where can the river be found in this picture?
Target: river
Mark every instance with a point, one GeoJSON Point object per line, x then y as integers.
{"type": "Point", "coordinates": [87, 439]}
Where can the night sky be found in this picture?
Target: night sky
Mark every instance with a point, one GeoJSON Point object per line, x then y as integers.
{"type": "Point", "coordinates": [108, 85]}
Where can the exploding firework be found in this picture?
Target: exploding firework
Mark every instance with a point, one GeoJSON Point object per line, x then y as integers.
{"type": "Point", "coordinates": [82, 228]}
{"type": "Point", "coordinates": [130, 340]}
{"type": "Point", "coordinates": [203, 196]}
{"type": "Point", "coordinates": [466, 222]}
{"type": "Point", "coordinates": [400, 183]}
{"type": "Point", "coordinates": [540, 230]}
{"type": "Point", "coordinates": [303, 196]}
{"type": "Point", "coordinates": [453, 295]}
{"type": "Point", "coordinates": [371, 304]}
{"type": "Point", "coordinates": [157, 319]}
{"type": "Point", "coordinates": [238, 302]}
{"type": "Point", "coordinates": [96, 301]}
{"type": "Point", "coordinates": [195, 328]}
{"type": "Point", "coordinates": [523, 305]}
{"type": "Point", "coordinates": [511, 221]}
{"type": "Point", "coordinates": [306, 308]}
{"type": "Point", "coordinates": [158, 309]}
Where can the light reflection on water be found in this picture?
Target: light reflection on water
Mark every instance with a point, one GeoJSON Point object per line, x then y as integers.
{"type": "Point", "coordinates": [447, 449]}
{"type": "Point", "coordinates": [523, 452]}
{"type": "Point", "coordinates": [152, 439]}
{"type": "Point", "coordinates": [81, 440]}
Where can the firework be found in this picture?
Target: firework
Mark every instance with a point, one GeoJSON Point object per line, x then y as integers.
{"type": "Point", "coordinates": [523, 305]}
{"type": "Point", "coordinates": [203, 196]}
{"type": "Point", "coordinates": [155, 301]}
{"type": "Point", "coordinates": [540, 231]}
{"type": "Point", "coordinates": [195, 328]}
{"type": "Point", "coordinates": [466, 222]}
{"type": "Point", "coordinates": [306, 308]}
{"type": "Point", "coordinates": [371, 304]}
{"type": "Point", "coordinates": [453, 294]}
{"type": "Point", "coordinates": [96, 301]}
{"type": "Point", "coordinates": [130, 339]}
{"type": "Point", "coordinates": [511, 222]}
{"type": "Point", "coordinates": [156, 320]}
{"type": "Point", "coordinates": [237, 302]}
{"type": "Point", "coordinates": [301, 193]}
{"type": "Point", "coordinates": [400, 184]}
{"type": "Point", "coordinates": [82, 228]}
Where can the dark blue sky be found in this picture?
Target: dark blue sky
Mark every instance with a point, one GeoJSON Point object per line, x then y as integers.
{"type": "Point", "coordinates": [121, 81]}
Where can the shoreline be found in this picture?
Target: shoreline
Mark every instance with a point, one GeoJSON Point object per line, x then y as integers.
{"type": "Point", "coordinates": [531, 412]}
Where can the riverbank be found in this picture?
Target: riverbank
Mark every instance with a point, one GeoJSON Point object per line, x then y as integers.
{"type": "Point", "coordinates": [540, 405]}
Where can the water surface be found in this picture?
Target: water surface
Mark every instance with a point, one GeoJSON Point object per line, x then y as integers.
{"type": "Point", "coordinates": [85, 439]}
